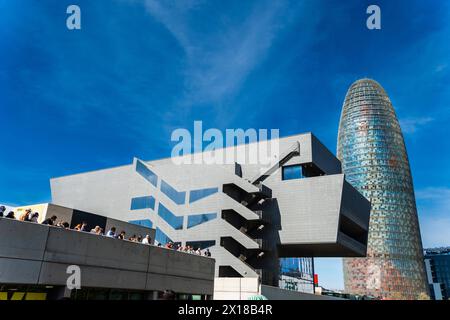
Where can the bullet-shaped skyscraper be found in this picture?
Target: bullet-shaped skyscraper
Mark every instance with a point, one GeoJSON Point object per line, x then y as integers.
{"type": "Point", "coordinates": [374, 160]}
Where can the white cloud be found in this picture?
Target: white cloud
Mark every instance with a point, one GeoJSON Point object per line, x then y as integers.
{"type": "Point", "coordinates": [435, 194]}
{"type": "Point", "coordinates": [218, 61]}
{"type": "Point", "coordinates": [434, 214]}
{"type": "Point", "coordinates": [435, 232]}
{"type": "Point", "coordinates": [440, 67]}
{"type": "Point", "coordinates": [411, 125]}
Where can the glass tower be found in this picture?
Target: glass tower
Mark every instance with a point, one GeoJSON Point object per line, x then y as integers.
{"type": "Point", "coordinates": [374, 160]}
{"type": "Point", "coordinates": [297, 274]}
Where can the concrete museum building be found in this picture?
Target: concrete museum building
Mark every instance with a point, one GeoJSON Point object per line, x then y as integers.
{"type": "Point", "coordinates": [248, 215]}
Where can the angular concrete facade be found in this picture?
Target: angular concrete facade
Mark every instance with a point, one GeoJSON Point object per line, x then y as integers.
{"type": "Point", "coordinates": [249, 215]}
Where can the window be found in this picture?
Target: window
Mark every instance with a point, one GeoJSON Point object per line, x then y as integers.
{"type": "Point", "coordinates": [174, 221]}
{"type": "Point", "coordinates": [197, 219]}
{"type": "Point", "coordinates": [144, 223]}
{"type": "Point", "coordinates": [161, 237]}
{"type": "Point", "coordinates": [142, 203]}
{"type": "Point", "coordinates": [196, 195]}
{"type": "Point", "coordinates": [292, 172]}
{"type": "Point", "coordinates": [201, 244]}
{"type": "Point", "coordinates": [174, 195]}
{"type": "Point", "coordinates": [91, 219]}
{"type": "Point", "coordinates": [145, 172]}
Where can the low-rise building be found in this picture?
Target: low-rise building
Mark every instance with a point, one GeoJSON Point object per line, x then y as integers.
{"type": "Point", "coordinates": [437, 267]}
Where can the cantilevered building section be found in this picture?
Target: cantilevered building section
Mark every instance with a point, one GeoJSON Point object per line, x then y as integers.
{"type": "Point", "coordinates": [374, 160]}
{"type": "Point", "coordinates": [248, 215]}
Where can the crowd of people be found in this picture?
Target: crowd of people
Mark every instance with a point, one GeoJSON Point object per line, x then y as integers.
{"type": "Point", "coordinates": [33, 217]}
{"type": "Point", "coordinates": [188, 249]}
{"type": "Point", "coordinates": [28, 215]}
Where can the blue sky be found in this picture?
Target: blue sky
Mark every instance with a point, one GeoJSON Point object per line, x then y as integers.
{"type": "Point", "coordinates": [72, 101]}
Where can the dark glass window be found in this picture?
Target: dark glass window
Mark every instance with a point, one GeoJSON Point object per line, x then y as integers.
{"type": "Point", "coordinates": [146, 173]}
{"type": "Point", "coordinates": [292, 172]}
{"type": "Point", "coordinates": [173, 220]}
{"type": "Point", "coordinates": [176, 196]}
{"type": "Point", "coordinates": [196, 195]}
{"type": "Point", "coordinates": [142, 203]}
{"type": "Point", "coordinates": [91, 219]}
{"type": "Point", "coordinates": [144, 222]}
{"type": "Point", "coordinates": [197, 219]}
{"type": "Point", "coordinates": [118, 295]}
{"type": "Point", "coordinates": [201, 244]}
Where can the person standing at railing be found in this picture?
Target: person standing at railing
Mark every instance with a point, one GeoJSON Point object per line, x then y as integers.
{"type": "Point", "coordinates": [10, 215]}
{"type": "Point", "coordinates": [33, 217]}
{"type": "Point", "coordinates": [25, 215]}
{"type": "Point", "coordinates": [146, 240]}
{"type": "Point", "coordinates": [64, 225]}
{"type": "Point", "coordinates": [111, 233]}
{"type": "Point", "coordinates": [121, 236]}
{"type": "Point", "coordinates": [50, 221]}
{"type": "Point", "coordinates": [84, 226]}
{"type": "Point", "coordinates": [95, 230]}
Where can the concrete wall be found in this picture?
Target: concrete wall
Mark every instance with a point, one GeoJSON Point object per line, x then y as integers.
{"type": "Point", "coordinates": [63, 214]}
{"type": "Point", "coordinates": [38, 254]}
{"type": "Point", "coordinates": [323, 158]}
{"type": "Point", "coordinates": [235, 288]}
{"type": "Point", "coordinates": [309, 208]}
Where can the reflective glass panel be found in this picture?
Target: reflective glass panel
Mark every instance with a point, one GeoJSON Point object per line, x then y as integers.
{"type": "Point", "coordinates": [161, 237]}
{"type": "Point", "coordinates": [292, 172]}
{"type": "Point", "coordinates": [146, 173]}
{"type": "Point", "coordinates": [197, 219]}
{"type": "Point", "coordinates": [195, 195]}
{"type": "Point", "coordinates": [142, 203]}
{"type": "Point", "coordinates": [173, 220]}
{"type": "Point", "coordinates": [174, 195]}
{"type": "Point", "coordinates": [144, 222]}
